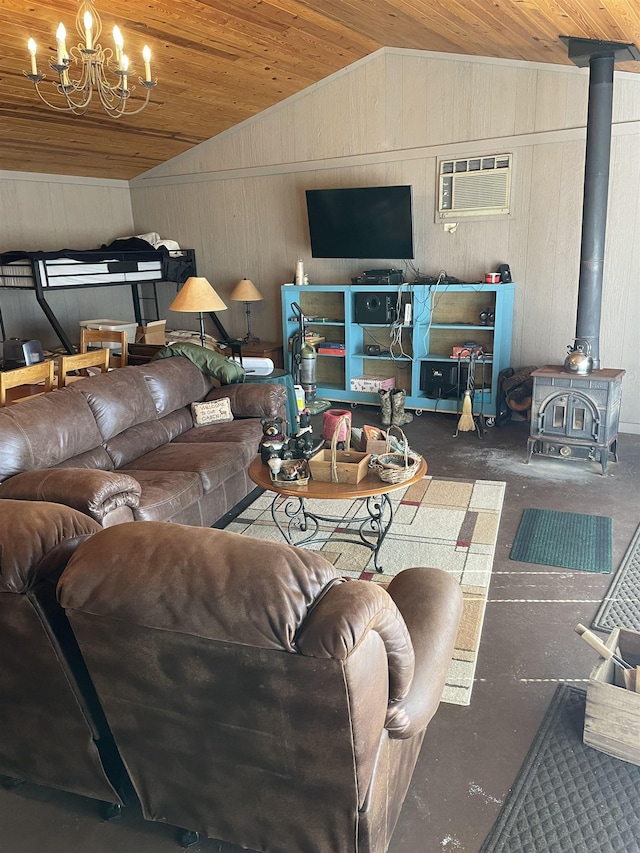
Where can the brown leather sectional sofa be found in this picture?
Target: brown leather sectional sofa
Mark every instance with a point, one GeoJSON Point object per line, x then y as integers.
{"type": "Point", "coordinates": [52, 727]}
{"type": "Point", "coordinates": [256, 696]}
{"type": "Point", "coordinates": [123, 447]}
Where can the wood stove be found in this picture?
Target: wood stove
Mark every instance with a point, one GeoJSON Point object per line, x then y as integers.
{"type": "Point", "coordinates": [575, 417]}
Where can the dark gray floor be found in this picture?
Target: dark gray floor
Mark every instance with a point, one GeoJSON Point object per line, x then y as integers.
{"type": "Point", "coordinates": [471, 754]}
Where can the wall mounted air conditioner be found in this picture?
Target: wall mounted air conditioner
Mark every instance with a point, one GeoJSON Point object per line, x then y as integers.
{"type": "Point", "coordinates": [474, 186]}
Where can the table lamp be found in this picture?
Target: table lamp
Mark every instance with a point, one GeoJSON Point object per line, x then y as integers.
{"type": "Point", "coordinates": [246, 291]}
{"type": "Point", "coordinates": [195, 297]}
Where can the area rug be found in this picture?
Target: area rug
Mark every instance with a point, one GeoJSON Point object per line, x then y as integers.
{"type": "Point", "coordinates": [621, 604]}
{"type": "Point", "coordinates": [449, 524]}
{"type": "Point", "coordinates": [568, 797]}
{"type": "Point", "coordinates": [570, 540]}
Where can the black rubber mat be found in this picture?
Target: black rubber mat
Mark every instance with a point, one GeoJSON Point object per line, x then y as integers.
{"type": "Point", "coordinates": [621, 604]}
{"type": "Point", "coordinates": [568, 797]}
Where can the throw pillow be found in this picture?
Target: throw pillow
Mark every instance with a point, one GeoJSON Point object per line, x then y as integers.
{"type": "Point", "coordinates": [212, 412]}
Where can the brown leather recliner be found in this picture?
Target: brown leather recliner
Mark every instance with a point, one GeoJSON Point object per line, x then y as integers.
{"type": "Point", "coordinates": [255, 695]}
{"type": "Point", "coordinates": [52, 729]}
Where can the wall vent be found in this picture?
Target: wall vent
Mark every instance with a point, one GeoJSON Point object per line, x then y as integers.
{"type": "Point", "coordinates": [474, 186]}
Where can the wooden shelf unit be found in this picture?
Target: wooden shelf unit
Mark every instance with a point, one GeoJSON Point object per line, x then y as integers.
{"type": "Point", "coordinates": [442, 317]}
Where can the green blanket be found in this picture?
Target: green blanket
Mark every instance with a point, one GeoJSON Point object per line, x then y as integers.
{"type": "Point", "coordinates": [224, 369]}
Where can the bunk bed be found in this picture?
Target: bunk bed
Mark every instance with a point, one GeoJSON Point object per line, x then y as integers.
{"type": "Point", "coordinates": [115, 265]}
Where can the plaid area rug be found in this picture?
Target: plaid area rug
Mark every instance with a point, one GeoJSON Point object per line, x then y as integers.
{"type": "Point", "coordinates": [449, 524]}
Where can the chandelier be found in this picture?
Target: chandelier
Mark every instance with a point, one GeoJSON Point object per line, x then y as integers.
{"type": "Point", "coordinates": [96, 70]}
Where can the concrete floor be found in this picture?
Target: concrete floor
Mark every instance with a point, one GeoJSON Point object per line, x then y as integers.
{"type": "Point", "coordinates": [471, 755]}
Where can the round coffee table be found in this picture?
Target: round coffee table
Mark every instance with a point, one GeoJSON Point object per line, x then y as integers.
{"type": "Point", "coordinates": [292, 499]}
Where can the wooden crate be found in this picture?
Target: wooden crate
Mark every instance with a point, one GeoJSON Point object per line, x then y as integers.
{"type": "Point", "coordinates": [369, 444]}
{"type": "Point", "coordinates": [612, 714]}
{"type": "Point", "coordinates": [351, 466]}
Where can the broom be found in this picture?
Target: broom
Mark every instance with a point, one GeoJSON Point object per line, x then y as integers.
{"type": "Point", "coordinates": [466, 422]}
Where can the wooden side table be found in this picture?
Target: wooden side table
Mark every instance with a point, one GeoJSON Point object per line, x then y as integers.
{"type": "Point", "coordinates": [265, 349]}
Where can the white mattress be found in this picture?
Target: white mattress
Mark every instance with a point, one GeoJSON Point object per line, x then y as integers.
{"type": "Point", "coordinates": [66, 272]}
{"type": "Point", "coordinates": [17, 274]}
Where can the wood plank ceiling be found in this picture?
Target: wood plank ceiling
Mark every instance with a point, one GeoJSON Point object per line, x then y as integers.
{"type": "Point", "coordinates": [219, 62]}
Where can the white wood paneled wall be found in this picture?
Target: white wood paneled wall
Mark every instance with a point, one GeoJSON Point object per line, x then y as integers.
{"type": "Point", "coordinates": [50, 212]}
{"type": "Point", "coordinates": [238, 199]}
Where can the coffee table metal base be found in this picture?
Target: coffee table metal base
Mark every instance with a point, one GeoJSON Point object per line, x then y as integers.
{"type": "Point", "coordinates": [371, 528]}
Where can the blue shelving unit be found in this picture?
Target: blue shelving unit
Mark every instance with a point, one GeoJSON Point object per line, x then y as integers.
{"type": "Point", "coordinates": [441, 318]}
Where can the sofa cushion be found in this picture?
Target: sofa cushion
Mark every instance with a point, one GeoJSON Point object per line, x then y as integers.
{"type": "Point", "coordinates": [165, 493]}
{"type": "Point", "coordinates": [230, 598]}
{"type": "Point", "coordinates": [214, 462]}
{"type": "Point", "coordinates": [249, 402]}
{"type": "Point", "coordinates": [46, 430]}
{"type": "Point", "coordinates": [246, 432]}
{"type": "Point", "coordinates": [174, 383]}
{"type": "Point", "coordinates": [96, 458]}
{"type": "Point", "coordinates": [142, 438]}
{"type": "Point", "coordinates": [118, 399]}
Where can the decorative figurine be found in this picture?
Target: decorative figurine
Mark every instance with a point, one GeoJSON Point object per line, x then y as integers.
{"type": "Point", "coordinates": [273, 439]}
{"type": "Point", "coordinates": [304, 444]}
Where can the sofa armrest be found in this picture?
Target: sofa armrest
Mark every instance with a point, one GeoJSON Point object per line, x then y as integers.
{"type": "Point", "coordinates": [93, 492]}
{"type": "Point", "coordinates": [338, 623]}
{"type": "Point", "coordinates": [430, 601]}
{"type": "Point", "coordinates": [36, 541]}
{"type": "Point", "coordinates": [248, 400]}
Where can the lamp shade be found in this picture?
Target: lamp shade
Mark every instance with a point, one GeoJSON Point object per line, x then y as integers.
{"type": "Point", "coordinates": [195, 295]}
{"type": "Point", "coordinates": [246, 291]}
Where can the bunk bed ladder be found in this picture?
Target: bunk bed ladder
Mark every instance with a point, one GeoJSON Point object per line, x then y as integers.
{"type": "Point", "coordinates": [142, 296]}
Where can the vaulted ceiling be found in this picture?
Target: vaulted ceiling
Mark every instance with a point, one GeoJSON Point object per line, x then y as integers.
{"type": "Point", "coordinates": [219, 62]}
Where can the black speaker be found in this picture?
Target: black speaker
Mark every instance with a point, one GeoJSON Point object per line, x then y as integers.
{"type": "Point", "coordinates": [441, 380]}
{"type": "Point", "coordinates": [375, 308]}
{"type": "Point", "coordinates": [505, 273]}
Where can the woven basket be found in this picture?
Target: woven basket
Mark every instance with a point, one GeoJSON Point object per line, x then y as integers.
{"type": "Point", "coordinates": [397, 468]}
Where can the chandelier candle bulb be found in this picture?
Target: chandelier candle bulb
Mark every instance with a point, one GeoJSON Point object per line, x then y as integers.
{"type": "Point", "coordinates": [119, 43]}
{"type": "Point", "coordinates": [31, 45]}
{"type": "Point", "coordinates": [146, 55]}
{"type": "Point", "coordinates": [125, 70]}
{"type": "Point", "coordinates": [88, 24]}
{"type": "Point", "coordinates": [61, 34]}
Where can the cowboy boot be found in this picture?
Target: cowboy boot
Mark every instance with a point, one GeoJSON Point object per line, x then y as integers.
{"type": "Point", "coordinates": [385, 406]}
{"type": "Point", "coordinates": [398, 415]}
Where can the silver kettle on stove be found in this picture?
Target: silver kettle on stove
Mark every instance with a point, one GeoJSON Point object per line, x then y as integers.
{"type": "Point", "coordinates": [579, 360]}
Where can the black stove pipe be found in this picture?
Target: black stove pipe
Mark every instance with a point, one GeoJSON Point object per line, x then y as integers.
{"type": "Point", "coordinates": [594, 205]}
{"type": "Point", "coordinates": [600, 56]}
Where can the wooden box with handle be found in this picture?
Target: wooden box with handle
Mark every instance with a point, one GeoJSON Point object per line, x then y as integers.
{"type": "Point", "coordinates": [612, 713]}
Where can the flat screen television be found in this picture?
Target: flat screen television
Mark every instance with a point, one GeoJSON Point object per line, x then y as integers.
{"type": "Point", "coordinates": [361, 222]}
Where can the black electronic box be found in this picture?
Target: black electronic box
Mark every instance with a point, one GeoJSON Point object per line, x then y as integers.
{"type": "Point", "coordinates": [376, 308]}
{"type": "Point", "coordinates": [443, 379]}
{"type": "Point", "coordinates": [379, 277]}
